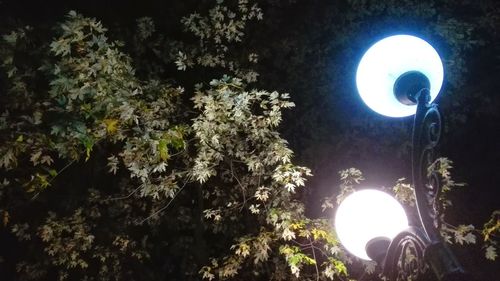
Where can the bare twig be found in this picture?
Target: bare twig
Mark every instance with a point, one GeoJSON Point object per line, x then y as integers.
{"type": "Point", "coordinates": [52, 179]}
{"type": "Point", "coordinates": [315, 260]}
{"type": "Point", "coordinates": [164, 207]}
{"type": "Point", "coordinates": [126, 196]}
{"type": "Point", "coordinates": [243, 191]}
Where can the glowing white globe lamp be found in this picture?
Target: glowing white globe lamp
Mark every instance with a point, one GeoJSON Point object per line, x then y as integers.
{"type": "Point", "coordinates": [365, 215]}
{"type": "Point", "coordinates": [385, 62]}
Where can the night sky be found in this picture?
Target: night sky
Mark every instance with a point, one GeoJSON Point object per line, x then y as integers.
{"type": "Point", "coordinates": [312, 53]}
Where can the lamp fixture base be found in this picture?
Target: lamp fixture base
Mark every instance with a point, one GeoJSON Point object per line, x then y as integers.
{"type": "Point", "coordinates": [409, 85]}
{"type": "Point", "coordinates": [377, 248]}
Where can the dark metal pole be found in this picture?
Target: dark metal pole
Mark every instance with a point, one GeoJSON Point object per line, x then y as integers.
{"type": "Point", "coordinates": [427, 186]}
{"type": "Point", "coordinates": [411, 250]}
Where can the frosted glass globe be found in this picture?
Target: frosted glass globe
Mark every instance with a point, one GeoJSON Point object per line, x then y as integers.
{"type": "Point", "coordinates": [385, 61]}
{"type": "Point", "coordinates": [367, 214]}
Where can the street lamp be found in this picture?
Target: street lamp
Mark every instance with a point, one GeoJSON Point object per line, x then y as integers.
{"type": "Point", "coordinates": [366, 215]}
{"type": "Point", "coordinates": [400, 76]}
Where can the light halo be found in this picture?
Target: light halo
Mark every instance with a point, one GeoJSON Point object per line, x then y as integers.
{"type": "Point", "coordinates": [367, 214]}
{"type": "Point", "coordinates": [385, 61]}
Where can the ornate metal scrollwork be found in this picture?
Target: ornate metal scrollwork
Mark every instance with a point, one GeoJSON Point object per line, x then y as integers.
{"type": "Point", "coordinates": [412, 250]}
{"type": "Point", "coordinates": [405, 257]}
{"type": "Point", "coordinates": [426, 135]}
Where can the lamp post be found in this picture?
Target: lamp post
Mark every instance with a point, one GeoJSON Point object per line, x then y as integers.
{"type": "Point", "coordinates": [400, 76]}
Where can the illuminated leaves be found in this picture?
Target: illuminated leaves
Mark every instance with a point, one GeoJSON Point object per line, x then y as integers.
{"type": "Point", "coordinates": [490, 234]}
{"type": "Point", "coordinates": [8, 159]}
{"type": "Point", "coordinates": [335, 268]}
{"type": "Point", "coordinates": [349, 178]}
{"type": "Point", "coordinates": [295, 258]}
{"type": "Point", "coordinates": [182, 61]}
{"type": "Point", "coordinates": [83, 102]}
{"type": "Point", "coordinates": [404, 192]}
{"type": "Point", "coordinates": [464, 234]}
{"type": "Point", "coordinates": [238, 125]}
{"type": "Point", "coordinates": [491, 252]}
{"type": "Point", "coordinates": [111, 125]}
{"type": "Point", "coordinates": [492, 226]}
{"type": "Point", "coordinates": [261, 247]}
{"type": "Point", "coordinates": [241, 249]}
{"type": "Point", "coordinates": [113, 164]}
{"type": "Point", "coordinates": [290, 176]}
{"type": "Point", "coordinates": [212, 214]}
{"type": "Point", "coordinates": [262, 193]}
{"type": "Point", "coordinates": [37, 158]}
{"type": "Point", "coordinates": [287, 234]}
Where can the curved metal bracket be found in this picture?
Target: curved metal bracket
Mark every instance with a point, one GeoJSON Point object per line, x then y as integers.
{"type": "Point", "coordinates": [426, 134]}
{"type": "Point", "coordinates": [405, 255]}
{"type": "Point", "coordinates": [412, 250]}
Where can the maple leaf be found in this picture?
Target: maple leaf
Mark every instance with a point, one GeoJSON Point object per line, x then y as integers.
{"type": "Point", "coordinates": [491, 253]}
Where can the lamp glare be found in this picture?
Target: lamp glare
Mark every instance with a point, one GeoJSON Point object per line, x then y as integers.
{"type": "Point", "coordinates": [367, 214]}
{"type": "Point", "coordinates": [385, 61]}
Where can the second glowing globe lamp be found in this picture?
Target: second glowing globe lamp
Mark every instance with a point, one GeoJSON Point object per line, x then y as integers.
{"type": "Point", "coordinates": [365, 215]}
{"type": "Point", "coordinates": [385, 62]}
